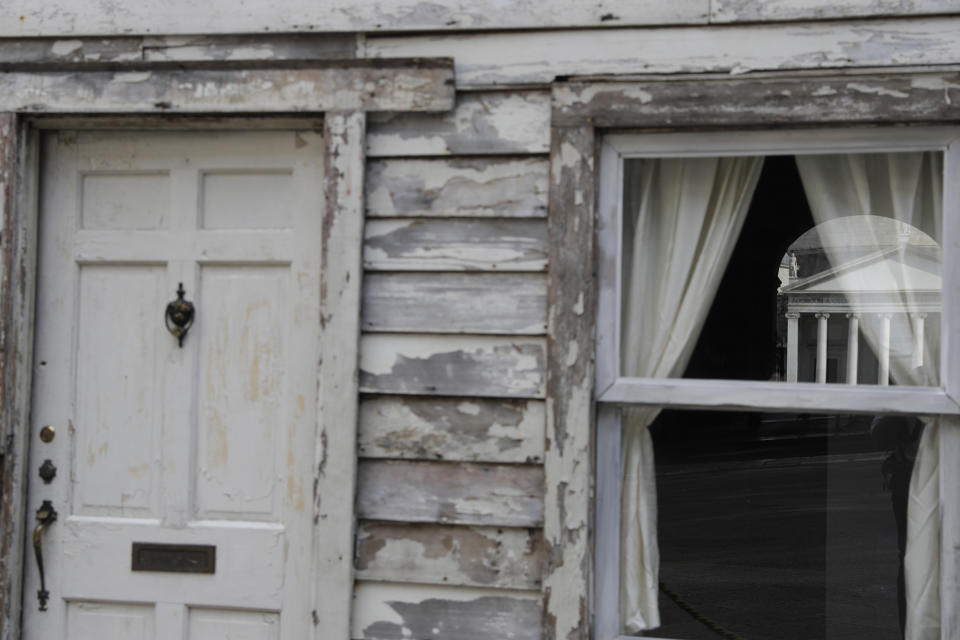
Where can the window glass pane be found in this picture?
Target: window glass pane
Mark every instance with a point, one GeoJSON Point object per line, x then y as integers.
{"type": "Point", "coordinates": [823, 268]}
{"type": "Point", "coordinates": [781, 525]}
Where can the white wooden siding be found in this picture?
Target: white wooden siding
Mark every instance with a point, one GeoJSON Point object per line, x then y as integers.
{"type": "Point", "coordinates": [503, 59]}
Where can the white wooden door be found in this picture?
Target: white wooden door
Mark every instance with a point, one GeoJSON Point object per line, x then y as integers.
{"type": "Point", "coordinates": [209, 444]}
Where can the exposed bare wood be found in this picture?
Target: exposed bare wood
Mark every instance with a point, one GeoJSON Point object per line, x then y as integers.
{"type": "Point", "coordinates": [488, 60]}
{"type": "Point", "coordinates": [193, 47]}
{"type": "Point", "coordinates": [17, 261]}
{"type": "Point", "coordinates": [753, 11]}
{"type": "Point", "coordinates": [570, 378]}
{"type": "Point", "coordinates": [452, 365]}
{"type": "Point", "coordinates": [488, 122]}
{"type": "Point", "coordinates": [450, 493]}
{"type": "Point", "coordinates": [498, 188]}
{"type": "Point", "coordinates": [58, 18]}
{"type": "Point", "coordinates": [931, 97]}
{"type": "Point", "coordinates": [176, 123]}
{"type": "Point", "coordinates": [436, 554]}
{"type": "Point", "coordinates": [229, 87]}
{"type": "Point", "coordinates": [341, 276]}
{"type": "Point", "coordinates": [395, 612]}
{"type": "Point", "coordinates": [455, 245]}
{"type": "Point", "coordinates": [502, 303]}
{"type": "Point", "coordinates": [458, 429]}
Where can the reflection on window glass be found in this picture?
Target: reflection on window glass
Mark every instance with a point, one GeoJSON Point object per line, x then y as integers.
{"type": "Point", "coordinates": [817, 268]}
{"type": "Point", "coordinates": [787, 526]}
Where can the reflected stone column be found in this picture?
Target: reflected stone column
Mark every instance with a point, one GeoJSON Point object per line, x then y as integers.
{"type": "Point", "coordinates": [853, 346]}
{"type": "Point", "coordinates": [918, 326]}
{"type": "Point", "coordinates": [793, 342]}
{"type": "Point", "coordinates": [822, 347]}
{"type": "Point", "coordinates": [883, 355]}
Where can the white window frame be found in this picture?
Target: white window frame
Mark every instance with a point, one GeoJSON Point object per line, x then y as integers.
{"type": "Point", "coordinates": [613, 390]}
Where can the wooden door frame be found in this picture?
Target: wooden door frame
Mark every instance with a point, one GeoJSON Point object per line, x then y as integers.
{"type": "Point", "coordinates": [579, 603]}
{"type": "Point", "coordinates": [334, 95]}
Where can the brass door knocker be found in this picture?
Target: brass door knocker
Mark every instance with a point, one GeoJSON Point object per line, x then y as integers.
{"type": "Point", "coordinates": [179, 316]}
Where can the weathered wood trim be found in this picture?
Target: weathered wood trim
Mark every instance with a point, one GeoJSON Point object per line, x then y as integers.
{"type": "Point", "coordinates": [485, 122]}
{"type": "Point", "coordinates": [462, 187]}
{"type": "Point", "coordinates": [450, 493]}
{"type": "Point", "coordinates": [386, 611]}
{"type": "Point", "coordinates": [570, 379]}
{"type": "Point", "coordinates": [341, 276]}
{"type": "Point", "coordinates": [539, 58]}
{"type": "Point", "coordinates": [453, 429]}
{"type": "Point", "coordinates": [19, 18]}
{"type": "Point", "coordinates": [490, 303]}
{"type": "Point", "coordinates": [484, 366]}
{"type": "Point", "coordinates": [18, 229]}
{"type": "Point", "coordinates": [781, 10]}
{"type": "Point", "coordinates": [262, 46]}
{"type": "Point", "coordinates": [455, 245]}
{"type": "Point", "coordinates": [228, 86]}
{"type": "Point", "coordinates": [493, 557]}
{"type": "Point", "coordinates": [950, 523]}
{"type": "Point", "coordinates": [751, 102]}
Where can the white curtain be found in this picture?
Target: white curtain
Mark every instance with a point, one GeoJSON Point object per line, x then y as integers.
{"type": "Point", "coordinates": [906, 187]}
{"type": "Point", "coordinates": [681, 221]}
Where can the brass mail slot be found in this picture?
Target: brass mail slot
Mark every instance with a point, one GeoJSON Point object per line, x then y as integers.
{"type": "Point", "coordinates": [178, 558]}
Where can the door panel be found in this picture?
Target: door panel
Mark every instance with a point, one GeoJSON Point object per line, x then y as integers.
{"type": "Point", "coordinates": [211, 443]}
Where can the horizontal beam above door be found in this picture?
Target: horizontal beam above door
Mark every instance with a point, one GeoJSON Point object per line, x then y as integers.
{"type": "Point", "coordinates": [288, 87]}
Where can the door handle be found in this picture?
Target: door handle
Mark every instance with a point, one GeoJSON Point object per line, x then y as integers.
{"type": "Point", "coordinates": [46, 515]}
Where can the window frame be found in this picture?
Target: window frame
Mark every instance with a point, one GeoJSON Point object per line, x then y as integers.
{"type": "Point", "coordinates": [585, 112]}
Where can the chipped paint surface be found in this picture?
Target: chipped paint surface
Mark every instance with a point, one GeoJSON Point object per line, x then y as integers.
{"type": "Point", "coordinates": [570, 377]}
{"type": "Point", "coordinates": [159, 87]}
{"type": "Point", "coordinates": [397, 612]}
{"type": "Point", "coordinates": [475, 494]}
{"type": "Point", "coordinates": [479, 430]}
{"type": "Point", "coordinates": [437, 554]}
{"type": "Point", "coordinates": [502, 59]}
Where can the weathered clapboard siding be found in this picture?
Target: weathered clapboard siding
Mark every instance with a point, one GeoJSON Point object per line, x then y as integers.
{"type": "Point", "coordinates": [500, 303]}
{"type": "Point", "coordinates": [498, 557]}
{"type": "Point", "coordinates": [490, 366]}
{"type": "Point", "coordinates": [455, 429]}
{"type": "Point", "coordinates": [484, 122]}
{"type": "Point", "coordinates": [766, 10]}
{"type": "Point", "coordinates": [455, 245]}
{"type": "Point", "coordinates": [399, 612]}
{"type": "Point", "coordinates": [59, 18]}
{"type": "Point", "coordinates": [474, 187]}
{"type": "Point", "coordinates": [488, 60]}
{"type": "Point", "coordinates": [450, 493]}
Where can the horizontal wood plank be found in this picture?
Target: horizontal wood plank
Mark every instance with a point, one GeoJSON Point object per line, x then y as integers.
{"type": "Point", "coordinates": [455, 245]}
{"type": "Point", "coordinates": [768, 10]}
{"type": "Point", "coordinates": [488, 60]}
{"type": "Point", "coordinates": [384, 611]}
{"type": "Point", "coordinates": [458, 429]}
{"type": "Point", "coordinates": [59, 18]}
{"type": "Point", "coordinates": [874, 98]}
{"type": "Point", "coordinates": [500, 303]}
{"type": "Point", "coordinates": [486, 122]}
{"type": "Point", "coordinates": [450, 493]}
{"type": "Point", "coordinates": [229, 87]}
{"type": "Point", "coordinates": [497, 557]}
{"type": "Point", "coordinates": [490, 366]}
{"type": "Point", "coordinates": [497, 188]}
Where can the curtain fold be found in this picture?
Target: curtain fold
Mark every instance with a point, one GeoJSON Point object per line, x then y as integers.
{"type": "Point", "coordinates": [906, 187]}
{"type": "Point", "coordinates": [681, 220]}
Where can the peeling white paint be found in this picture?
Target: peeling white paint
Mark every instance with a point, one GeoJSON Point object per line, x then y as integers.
{"type": "Point", "coordinates": [825, 90]}
{"type": "Point", "coordinates": [880, 91]}
{"type": "Point", "coordinates": [141, 76]}
{"type": "Point", "coordinates": [65, 47]}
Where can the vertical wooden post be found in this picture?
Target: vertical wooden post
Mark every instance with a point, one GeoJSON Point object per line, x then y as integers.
{"type": "Point", "coordinates": [341, 274]}
{"type": "Point", "coordinates": [17, 269]}
{"type": "Point", "coordinates": [570, 380]}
